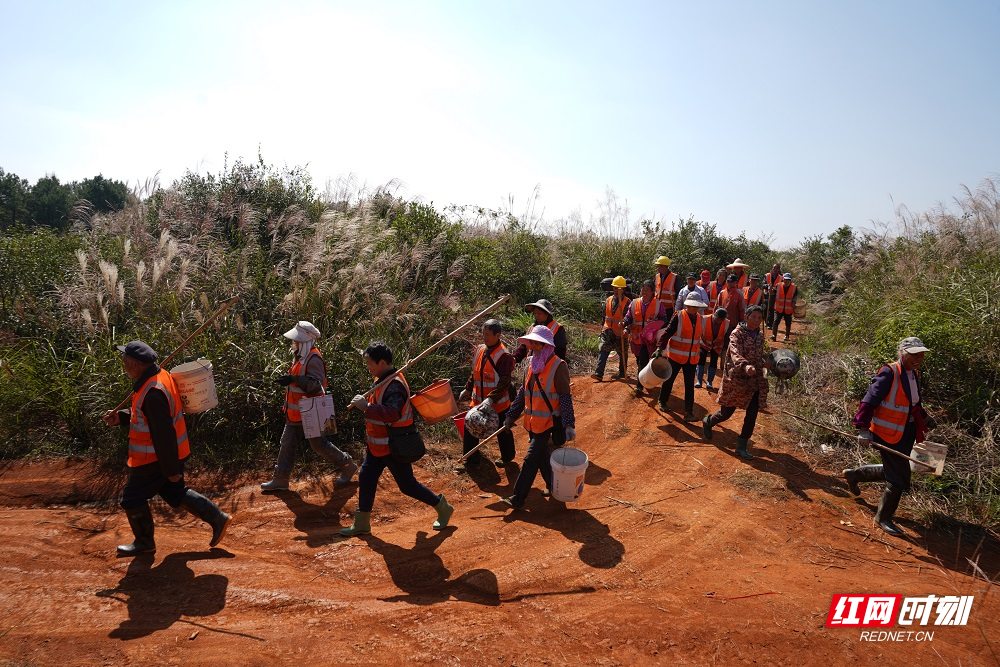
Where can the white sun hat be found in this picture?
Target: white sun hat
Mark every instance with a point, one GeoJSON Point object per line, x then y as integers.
{"type": "Point", "coordinates": [302, 331]}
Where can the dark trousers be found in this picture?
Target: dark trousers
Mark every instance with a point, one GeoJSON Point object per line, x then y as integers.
{"type": "Point", "coordinates": [895, 468]}
{"type": "Point", "coordinates": [505, 440]}
{"type": "Point", "coordinates": [689, 371]}
{"type": "Point", "coordinates": [712, 357]}
{"type": "Point", "coordinates": [147, 481]}
{"type": "Point", "coordinates": [777, 320]}
{"type": "Point", "coordinates": [641, 360]}
{"type": "Point", "coordinates": [535, 461]}
{"type": "Point", "coordinates": [371, 470]}
{"type": "Point", "coordinates": [749, 420]}
{"type": "Point", "coordinates": [610, 341]}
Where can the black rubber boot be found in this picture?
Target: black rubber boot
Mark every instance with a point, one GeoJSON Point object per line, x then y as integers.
{"type": "Point", "coordinates": [741, 449]}
{"type": "Point", "coordinates": [209, 512]}
{"type": "Point", "coordinates": [871, 473]}
{"type": "Point", "coordinates": [140, 519]}
{"type": "Point", "coordinates": [887, 508]}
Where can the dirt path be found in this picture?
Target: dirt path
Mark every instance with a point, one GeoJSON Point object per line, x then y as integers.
{"type": "Point", "coordinates": [678, 553]}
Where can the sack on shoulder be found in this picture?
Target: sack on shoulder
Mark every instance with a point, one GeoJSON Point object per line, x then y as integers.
{"type": "Point", "coordinates": [406, 445]}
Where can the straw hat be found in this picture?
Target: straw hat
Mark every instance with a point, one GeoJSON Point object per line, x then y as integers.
{"type": "Point", "coordinates": [738, 262]}
{"type": "Point", "coordinates": [540, 333]}
{"type": "Point", "coordinates": [302, 331]}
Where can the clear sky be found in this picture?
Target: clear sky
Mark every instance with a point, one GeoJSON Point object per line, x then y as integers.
{"type": "Point", "coordinates": [784, 118]}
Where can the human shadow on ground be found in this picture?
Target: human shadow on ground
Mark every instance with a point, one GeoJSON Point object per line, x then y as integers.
{"type": "Point", "coordinates": [319, 523]}
{"type": "Point", "coordinates": [596, 475]}
{"type": "Point", "coordinates": [422, 576]}
{"type": "Point", "coordinates": [487, 476]}
{"type": "Point", "coordinates": [597, 547]}
{"type": "Point", "coordinates": [158, 596]}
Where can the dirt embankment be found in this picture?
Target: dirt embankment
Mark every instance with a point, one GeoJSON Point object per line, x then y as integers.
{"type": "Point", "coordinates": [678, 553]}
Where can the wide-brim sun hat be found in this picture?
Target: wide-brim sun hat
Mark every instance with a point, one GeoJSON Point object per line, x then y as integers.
{"type": "Point", "coordinates": [302, 332]}
{"type": "Point", "coordinates": [544, 304]}
{"type": "Point", "coordinates": [737, 262]}
{"type": "Point", "coordinates": [694, 300]}
{"type": "Point", "coordinates": [913, 345]}
{"type": "Point", "coordinates": [538, 333]}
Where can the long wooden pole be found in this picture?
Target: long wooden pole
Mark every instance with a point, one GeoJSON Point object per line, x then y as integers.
{"type": "Point", "coordinates": [854, 437]}
{"type": "Point", "coordinates": [482, 442]}
{"type": "Point", "coordinates": [225, 306]}
{"type": "Point", "coordinates": [433, 347]}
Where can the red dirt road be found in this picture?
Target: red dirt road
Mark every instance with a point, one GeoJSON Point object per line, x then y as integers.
{"type": "Point", "coordinates": [678, 553]}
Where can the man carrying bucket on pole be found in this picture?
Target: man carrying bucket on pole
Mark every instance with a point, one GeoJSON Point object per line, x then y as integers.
{"type": "Point", "coordinates": [306, 377]}
{"type": "Point", "coordinates": [157, 447]}
{"type": "Point", "coordinates": [547, 405]}
{"type": "Point", "coordinates": [492, 367]}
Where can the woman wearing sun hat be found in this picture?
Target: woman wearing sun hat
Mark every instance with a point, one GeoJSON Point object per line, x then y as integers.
{"type": "Point", "coordinates": [547, 405]}
{"type": "Point", "coordinates": [738, 269]}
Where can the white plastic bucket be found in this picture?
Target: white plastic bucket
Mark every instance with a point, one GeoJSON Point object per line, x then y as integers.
{"type": "Point", "coordinates": [569, 466]}
{"type": "Point", "coordinates": [656, 372]}
{"type": "Point", "coordinates": [196, 386]}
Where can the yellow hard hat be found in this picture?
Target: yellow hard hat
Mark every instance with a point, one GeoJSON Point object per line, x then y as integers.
{"type": "Point", "coordinates": [663, 260]}
{"type": "Point", "coordinates": [619, 281]}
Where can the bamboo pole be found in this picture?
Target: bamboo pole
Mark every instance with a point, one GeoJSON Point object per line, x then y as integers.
{"type": "Point", "coordinates": [482, 442]}
{"type": "Point", "coordinates": [433, 347]}
{"type": "Point", "coordinates": [225, 306]}
{"type": "Point", "coordinates": [854, 437]}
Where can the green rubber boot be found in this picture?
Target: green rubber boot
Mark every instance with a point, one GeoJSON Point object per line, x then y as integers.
{"type": "Point", "coordinates": [362, 525]}
{"type": "Point", "coordinates": [741, 449]}
{"type": "Point", "coordinates": [444, 511]}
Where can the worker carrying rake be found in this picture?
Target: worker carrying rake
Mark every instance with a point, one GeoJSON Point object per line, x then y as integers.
{"type": "Point", "coordinates": [613, 334]}
{"type": "Point", "coordinates": [157, 447]}
{"type": "Point", "coordinates": [890, 414]}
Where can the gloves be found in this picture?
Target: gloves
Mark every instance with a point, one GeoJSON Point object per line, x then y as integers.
{"type": "Point", "coordinates": [509, 423]}
{"type": "Point", "coordinates": [285, 380]}
{"type": "Point", "coordinates": [464, 396]}
{"type": "Point", "coordinates": [360, 402]}
{"type": "Point", "coordinates": [570, 434]}
{"type": "Point", "coordinates": [865, 437]}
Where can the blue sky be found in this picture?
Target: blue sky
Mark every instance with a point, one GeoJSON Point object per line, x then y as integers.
{"type": "Point", "coordinates": [780, 119]}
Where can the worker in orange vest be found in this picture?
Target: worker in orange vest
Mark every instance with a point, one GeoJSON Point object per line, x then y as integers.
{"type": "Point", "coordinates": [613, 334]}
{"type": "Point", "coordinates": [492, 368]}
{"type": "Point", "coordinates": [771, 281]}
{"type": "Point", "coordinates": [666, 285]}
{"type": "Point", "coordinates": [681, 342]}
{"type": "Point", "coordinates": [157, 448]}
{"type": "Point", "coordinates": [547, 406]}
{"type": "Point", "coordinates": [714, 289]}
{"type": "Point", "coordinates": [714, 338]}
{"type": "Point", "coordinates": [731, 299]}
{"type": "Point", "coordinates": [784, 305]}
{"type": "Point", "coordinates": [891, 414]}
{"type": "Point", "coordinates": [738, 269]}
{"type": "Point", "coordinates": [543, 312]}
{"type": "Point", "coordinates": [305, 378]}
{"type": "Point", "coordinates": [388, 416]}
{"type": "Point", "coordinates": [753, 295]}
{"type": "Point", "coordinates": [644, 316]}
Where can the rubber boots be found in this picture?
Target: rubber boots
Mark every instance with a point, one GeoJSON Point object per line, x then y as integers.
{"type": "Point", "coordinates": [444, 511]}
{"type": "Point", "coordinates": [887, 508]}
{"type": "Point", "coordinates": [279, 481]}
{"type": "Point", "coordinates": [140, 519]}
{"type": "Point", "coordinates": [361, 526]}
{"type": "Point", "coordinates": [870, 473]}
{"type": "Point", "coordinates": [209, 512]}
{"type": "Point", "coordinates": [706, 427]}
{"type": "Point", "coordinates": [741, 449]}
{"type": "Point", "coordinates": [347, 472]}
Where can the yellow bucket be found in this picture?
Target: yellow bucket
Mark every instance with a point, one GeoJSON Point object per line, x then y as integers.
{"type": "Point", "coordinates": [436, 402]}
{"type": "Point", "coordinates": [800, 308]}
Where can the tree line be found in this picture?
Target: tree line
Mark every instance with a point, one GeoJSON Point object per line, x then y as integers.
{"type": "Point", "coordinates": [49, 202]}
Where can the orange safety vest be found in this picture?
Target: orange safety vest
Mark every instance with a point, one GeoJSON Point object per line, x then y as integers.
{"type": "Point", "coordinates": [752, 299]}
{"type": "Point", "coordinates": [890, 416]}
{"type": "Point", "coordinates": [293, 393]}
{"type": "Point", "coordinates": [684, 346]}
{"type": "Point", "coordinates": [784, 302]}
{"type": "Point", "coordinates": [713, 290]}
{"type": "Point", "coordinates": [140, 442]}
{"type": "Point", "coordinates": [485, 376]}
{"type": "Point", "coordinates": [641, 317]}
{"type": "Point", "coordinates": [743, 280]}
{"type": "Point", "coordinates": [666, 292]}
{"type": "Point", "coordinates": [541, 400]}
{"type": "Point", "coordinates": [377, 432]}
{"type": "Point", "coordinates": [772, 281]}
{"type": "Point", "coordinates": [710, 338]}
{"type": "Point", "coordinates": [615, 320]}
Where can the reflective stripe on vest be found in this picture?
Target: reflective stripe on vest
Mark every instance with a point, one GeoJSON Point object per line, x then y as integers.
{"type": "Point", "coordinates": [537, 416]}
{"type": "Point", "coordinates": [711, 339]}
{"type": "Point", "coordinates": [293, 393]}
{"type": "Point", "coordinates": [752, 299]}
{"type": "Point", "coordinates": [890, 416]}
{"type": "Point", "coordinates": [485, 378]}
{"type": "Point", "coordinates": [666, 293]}
{"type": "Point", "coordinates": [140, 442]}
{"type": "Point", "coordinates": [615, 320]}
{"type": "Point", "coordinates": [684, 346]}
{"type": "Point", "coordinates": [783, 303]}
{"type": "Point", "coordinates": [377, 432]}
{"type": "Point", "coordinates": [641, 317]}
